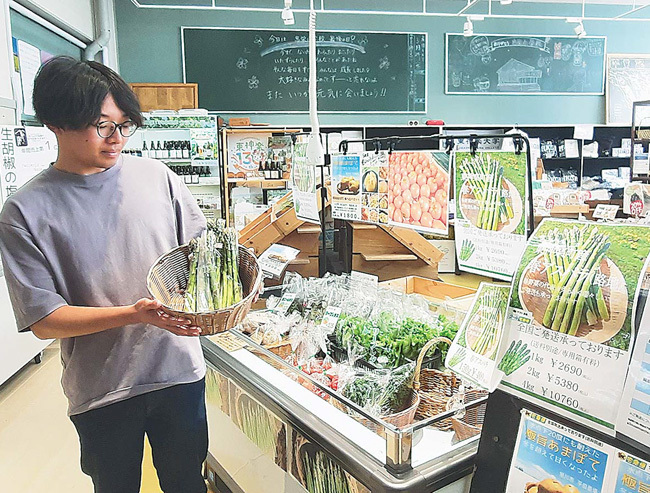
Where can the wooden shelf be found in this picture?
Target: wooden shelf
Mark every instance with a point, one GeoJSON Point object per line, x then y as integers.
{"type": "Point", "coordinates": [388, 257]}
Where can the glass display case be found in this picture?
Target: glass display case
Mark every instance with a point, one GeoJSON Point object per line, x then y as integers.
{"type": "Point", "coordinates": [317, 440]}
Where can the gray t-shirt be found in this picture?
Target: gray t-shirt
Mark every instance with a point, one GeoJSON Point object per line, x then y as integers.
{"type": "Point", "coordinates": [68, 239]}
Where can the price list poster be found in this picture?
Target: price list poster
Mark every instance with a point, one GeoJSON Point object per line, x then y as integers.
{"type": "Point", "coordinates": [570, 326]}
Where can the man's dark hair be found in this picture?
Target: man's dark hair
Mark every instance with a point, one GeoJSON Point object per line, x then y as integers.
{"type": "Point", "coordinates": [69, 93]}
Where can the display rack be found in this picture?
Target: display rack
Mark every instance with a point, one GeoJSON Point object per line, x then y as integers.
{"type": "Point", "coordinates": [640, 134]}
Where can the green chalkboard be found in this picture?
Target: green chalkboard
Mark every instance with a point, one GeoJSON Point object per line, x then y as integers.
{"type": "Point", "coordinates": [256, 70]}
{"type": "Point", "coordinates": [525, 64]}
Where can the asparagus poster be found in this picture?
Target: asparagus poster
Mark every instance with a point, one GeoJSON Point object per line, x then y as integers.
{"type": "Point", "coordinates": [550, 457]}
{"type": "Point", "coordinates": [418, 190]}
{"type": "Point", "coordinates": [473, 353]}
{"type": "Point", "coordinates": [571, 320]}
{"type": "Point", "coordinates": [491, 200]}
{"type": "Point", "coordinates": [303, 183]}
{"type": "Point", "coordinates": [346, 187]}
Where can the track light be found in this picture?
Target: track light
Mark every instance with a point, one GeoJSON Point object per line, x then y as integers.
{"type": "Point", "coordinates": [579, 29]}
{"type": "Point", "coordinates": [506, 2]}
{"type": "Point", "coordinates": [287, 13]}
{"type": "Point", "coordinates": [468, 28]}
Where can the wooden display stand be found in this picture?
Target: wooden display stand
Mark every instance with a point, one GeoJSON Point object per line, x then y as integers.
{"type": "Point", "coordinates": [390, 252]}
{"type": "Point", "coordinates": [167, 96]}
{"type": "Point", "coordinates": [280, 225]}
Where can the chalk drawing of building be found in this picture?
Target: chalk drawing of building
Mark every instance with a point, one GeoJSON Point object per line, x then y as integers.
{"type": "Point", "coordinates": [516, 76]}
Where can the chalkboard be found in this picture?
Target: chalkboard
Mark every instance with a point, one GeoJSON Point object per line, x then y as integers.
{"type": "Point", "coordinates": [260, 71]}
{"type": "Point", "coordinates": [628, 78]}
{"type": "Point", "coordinates": [513, 64]}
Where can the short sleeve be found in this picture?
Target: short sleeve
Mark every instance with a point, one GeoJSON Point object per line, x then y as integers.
{"type": "Point", "coordinates": [190, 221]}
{"type": "Point", "coordinates": [29, 277]}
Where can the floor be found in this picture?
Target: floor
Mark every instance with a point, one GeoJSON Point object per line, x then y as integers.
{"type": "Point", "coordinates": [39, 448]}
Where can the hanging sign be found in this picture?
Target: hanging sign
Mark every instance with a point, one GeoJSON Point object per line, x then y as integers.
{"type": "Point", "coordinates": [569, 328]}
{"type": "Point", "coordinates": [473, 354]}
{"type": "Point", "coordinates": [490, 228]}
{"type": "Point", "coordinates": [346, 187]}
{"type": "Point", "coordinates": [303, 182]}
{"type": "Point", "coordinates": [374, 183]}
{"type": "Point", "coordinates": [26, 151]}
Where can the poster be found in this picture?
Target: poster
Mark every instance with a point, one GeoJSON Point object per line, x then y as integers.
{"type": "Point", "coordinates": [374, 184]}
{"type": "Point", "coordinates": [30, 61]}
{"type": "Point", "coordinates": [636, 199]}
{"type": "Point", "coordinates": [346, 187]}
{"type": "Point", "coordinates": [26, 151]}
{"type": "Point", "coordinates": [473, 354]}
{"type": "Point", "coordinates": [418, 191]}
{"type": "Point", "coordinates": [550, 457]}
{"type": "Point", "coordinates": [633, 419]}
{"type": "Point", "coordinates": [276, 258]}
{"type": "Point", "coordinates": [632, 474]}
{"type": "Point", "coordinates": [246, 152]}
{"type": "Point", "coordinates": [491, 198]}
{"type": "Point", "coordinates": [568, 332]}
{"type": "Point", "coordinates": [303, 182]}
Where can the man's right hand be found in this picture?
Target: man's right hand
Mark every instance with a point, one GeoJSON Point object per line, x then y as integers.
{"type": "Point", "coordinates": [150, 312]}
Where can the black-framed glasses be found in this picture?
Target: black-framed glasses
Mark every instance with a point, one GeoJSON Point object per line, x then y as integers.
{"type": "Point", "coordinates": [107, 129]}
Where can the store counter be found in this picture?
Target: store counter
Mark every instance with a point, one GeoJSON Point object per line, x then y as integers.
{"type": "Point", "coordinates": [275, 429]}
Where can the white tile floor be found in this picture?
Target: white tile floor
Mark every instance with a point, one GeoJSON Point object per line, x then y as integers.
{"type": "Point", "coordinates": [39, 448]}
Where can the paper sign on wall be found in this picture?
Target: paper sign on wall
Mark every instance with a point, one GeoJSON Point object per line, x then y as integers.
{"type": "Point", "coordinates": [303, 183]}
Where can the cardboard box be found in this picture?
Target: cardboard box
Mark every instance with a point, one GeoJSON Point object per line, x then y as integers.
{"type": "Point", "coordinates": [239, 122]}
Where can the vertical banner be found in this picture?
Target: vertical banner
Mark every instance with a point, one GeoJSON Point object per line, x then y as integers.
{"type": "Point", "coordinates": [633, 419]}
{"type": "Point", "coordinates": [491, 198]}
{"type": "Point", "coordinates": [30, 61]}
{"type": "Point", "coordinates": [346, 187]}
{"type": "Point", "coordinates": [374, 183]}
{"type": "Point", "coordinates": [570, 325]}
{"type": "Point", "coordinates": [26, 151]}
{"type": "Point", "coordinates": [473, 354]}
{"type": "Point", "coordinates": [552, 458]}
{"type": "Point", "coordinates": [303, 181]}
{"type": "Point", "coordinates": [418, 191]}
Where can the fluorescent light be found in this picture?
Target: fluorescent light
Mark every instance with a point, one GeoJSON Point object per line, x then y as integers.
{"type": "Point", "coordinates": [468, 28]}
{"type": "Point", "coordinates": [287, 16]}
{"type": "Point", "coordinates": [506, 2]}
{"type": "Point", "coordinates": [579, 29]}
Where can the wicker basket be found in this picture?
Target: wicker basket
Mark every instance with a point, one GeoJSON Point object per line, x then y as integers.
{"type": "Point", "coordinates": [399, 419]}
{"type": "Point", "coordinates": [643, 132]}
{"type": "Point", "coordinates": [167, 280]}
{"type": "Point", "coordinates": [470, 424]}
{"type": "Point", "coordinates": [434, 387]}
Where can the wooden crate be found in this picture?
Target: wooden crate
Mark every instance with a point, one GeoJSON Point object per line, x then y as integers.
{"type": "Point", "coordinates": [390, 252]}
{"type": "Point", "coordinates": [454, 296]}
{"type": "Point", "coordinates": [166, 96]}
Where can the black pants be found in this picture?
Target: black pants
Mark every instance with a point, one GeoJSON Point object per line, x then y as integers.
{"type": "Point", "coordinates": [112, 440]}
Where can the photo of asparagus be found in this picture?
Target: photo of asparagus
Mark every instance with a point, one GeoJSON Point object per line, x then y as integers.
{"type": "Point", "coordinates": [466, 250]}
{"type": "Point", "coordinates": [487, 198]}
{"type": "Point", "coordinates": [514, 358]}
{"type": "Point", "coordinates": [572, 287]}
{"type": "Point", "coordinates": [486, 324]}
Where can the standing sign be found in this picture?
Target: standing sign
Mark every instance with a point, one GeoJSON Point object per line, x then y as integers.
{"type": "Point", "coordinates": [490, 227]}
{"type": "Point", "coordinates": [246, 152]}
{"type": "Point", "coordinates": [473, 354]}
{"type": "Point", "coordinates": [303, 182]}
{"type": "Point", "coordinates": [26, 151]}
{"type": "Point", "coordinates": [570, 324]}
{"type": "Point", "coordinates": [633, 418]}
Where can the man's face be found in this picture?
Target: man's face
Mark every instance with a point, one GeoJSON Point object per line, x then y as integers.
{"type": "Point", "coordinates": [85, 151]}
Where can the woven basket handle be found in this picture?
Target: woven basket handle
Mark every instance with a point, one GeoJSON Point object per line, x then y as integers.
{"type": "Point", "coordinates": [423, 353]}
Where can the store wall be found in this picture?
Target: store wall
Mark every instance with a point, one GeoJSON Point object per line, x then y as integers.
{"type": "Point", "coordinates": [149, 50]}
{"type": "Point", "coordinates": [76, 14]}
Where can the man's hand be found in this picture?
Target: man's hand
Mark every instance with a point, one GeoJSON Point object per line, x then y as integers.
{"type": "Point", "coordinates": [150, 312]}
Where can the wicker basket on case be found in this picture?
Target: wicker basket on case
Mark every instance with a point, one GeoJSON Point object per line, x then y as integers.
{"type": "Point", "coordinates": [167, 280]}
{"type": "Point", "coordinates": [471, 423]}
{"type": "Point", "coordinates": [434, 387]}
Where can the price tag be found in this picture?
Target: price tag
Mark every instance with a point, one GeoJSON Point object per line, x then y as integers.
{"type": "Point", "coordinates": [606, 211]}
{"type": "Point", "coordinates": [330, 318]}
{"type": "Point", "coordinates": [282, 307]}
{"type": "Point", "coordinates": [363, 277]}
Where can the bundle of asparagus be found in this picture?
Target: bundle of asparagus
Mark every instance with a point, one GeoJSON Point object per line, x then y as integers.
{"type": "Point", "coordinates": [491, 311]}
{"type": "Point", "coordinates": [466, 250]}
{"type": "Point", "coordinates": [485, 177]}
{"type": "Point", "coordinates": [515, 357]}
{"type": "Point", "coordinates": [571, 267]}
{"type": "Point", "coordinates": [214, 270]}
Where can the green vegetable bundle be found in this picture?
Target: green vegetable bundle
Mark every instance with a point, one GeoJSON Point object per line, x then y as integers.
{"type": "Point", "coordinates": [388, 341]}
{"type": "Point", "coordinates": [571, 268]}
{"type": "Point", "coordinates": [485, 176]}
{"type": "Point", "coordinates": [323, 475]}
{"type": "Point", "coordinates": [466, 250]}
{"type": "Point", "coordinates": [491, 309]}
{"type": "Point", "coordinates": [515, 357]}
{"type": "Point", "coordinates": [213, 281]}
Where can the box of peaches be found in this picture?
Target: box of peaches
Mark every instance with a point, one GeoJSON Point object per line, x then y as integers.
{"type": "Point", "coordinates": [550, 486]}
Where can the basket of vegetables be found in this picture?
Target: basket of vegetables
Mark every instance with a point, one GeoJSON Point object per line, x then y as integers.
{"type": "Point", "coordinates": [211, 281]}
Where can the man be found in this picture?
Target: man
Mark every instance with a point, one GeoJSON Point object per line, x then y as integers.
{"type": "Point", "coordinates": [76, 243]}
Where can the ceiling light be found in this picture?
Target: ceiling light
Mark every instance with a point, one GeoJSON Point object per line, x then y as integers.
{"type": "Point", "coordinates": [287, 16]}
{"type": "Point", "coordinates": [579, 29]}
{"type": "Point", "coordinates": [468, 28]}
{"type": "Point", "coordinates": [506, 2]}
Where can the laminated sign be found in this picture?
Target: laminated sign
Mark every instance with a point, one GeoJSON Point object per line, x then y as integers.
{"type": "Point", "coordinates": [490, 228]}
{"type": "Point", "coordinates": [570, 325]}
{"type": "Point", "coordinates": [303, 183]}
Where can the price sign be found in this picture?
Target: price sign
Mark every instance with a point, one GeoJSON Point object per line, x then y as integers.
{"type": "Point", "coordinates": [285, 302]}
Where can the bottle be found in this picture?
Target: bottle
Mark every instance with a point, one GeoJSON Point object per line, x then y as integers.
{"type": "Point", "coordinates": [194, 175]}
{"type": "Point", "coordinates": [260, 168]}
{"type": "Point", "coordinates": [267, 170]}
{"type": "Point", "coordinates": [158, 150]}
{"type": "Point", "coordinates": [177, 150]}
{"type": "Point", "coordinates": [152, 151]}
{"type": "Point", "coordinates": [145, 151]}
{"type": "Point", "coordinates": [185, 150]}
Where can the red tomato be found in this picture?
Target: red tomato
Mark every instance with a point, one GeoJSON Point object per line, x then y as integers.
{"type": "Point", "coordinates": [438, 225]}
{"type": "Point", "coordinates": [397, 216]}
{"type": "Point", "coordinates": [441, 196]}
{"type": "Point", "coordinates": [398, 201]}
{"type": "Point", "coordinates": [426, 220]}
{"type": "Point", "coordinates": [416, 212]}
{"type": "Point", "coordinates": [434, 171]}
{"type": "Point", "coordinates": [431, 181]}
{"type": "Point", "coordinates": [425, 190]}
{"type": "Point", "coordinates": [404, 182]}
{"type": "Point", "coordinates": [436, 210]}
{"type": "Point", "coordinates": [391, 209]}
{"type": "Point", "coordinates": [413, 177]}
{"type": "Point", "coordinates": [441, 179]}
{"type": "Point", "coordinates": [422, 179]}
{"type": "Point", "coordinates": [418, 169]}
{"type": "Point", "coordinates": [406, 196]}
{"type": "Point", "coordinates": [422, 158]}
{"type": "Point", "coordinates": [406, 210]}
{"type": "Point", "coordinates": [424, 203]}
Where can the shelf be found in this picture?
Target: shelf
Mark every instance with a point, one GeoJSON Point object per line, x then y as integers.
{"type": "Point", "coordinates": [188, 160]}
